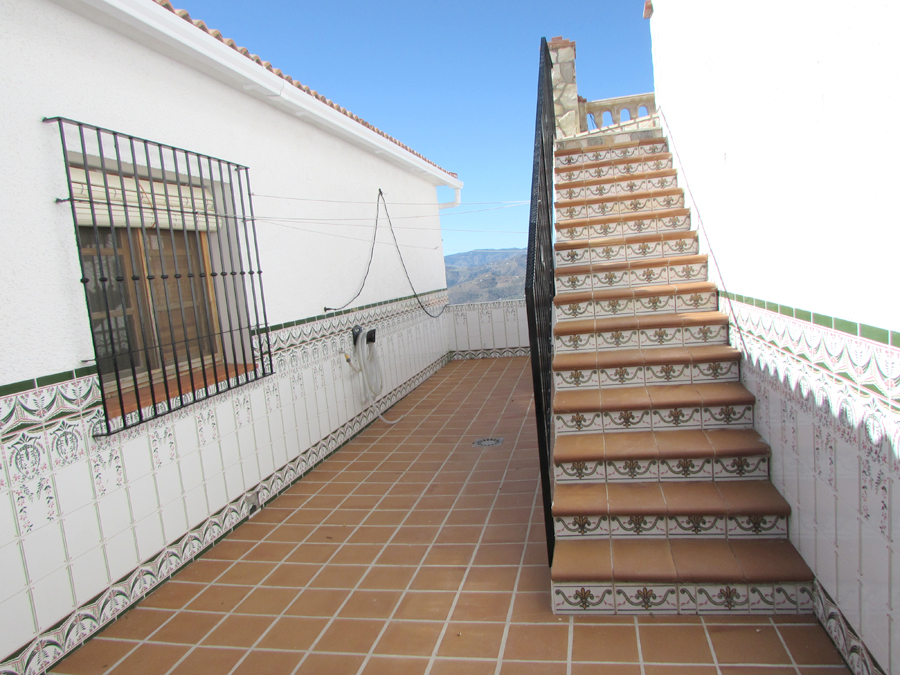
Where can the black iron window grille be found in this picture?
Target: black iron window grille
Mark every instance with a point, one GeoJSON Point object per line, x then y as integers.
{"type": "Point", "coordinates": [170, 267]}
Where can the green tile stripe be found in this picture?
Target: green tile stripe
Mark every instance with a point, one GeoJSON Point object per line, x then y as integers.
{"type": "Point", "coordinates": [46, 380]}
{"type": "Point", "coordinates": [873, 333]}
{"type": "Point", "coordinates": [350, 310]}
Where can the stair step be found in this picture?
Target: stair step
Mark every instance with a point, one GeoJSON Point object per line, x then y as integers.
{"type": "Point", "coordinates": [611, 150]}
{"type": "Point", "coordinates": [626, 166]}
{"type": "Point", "coordinates": [654, 408]}
{"type": "Point", "coordinates": [608, 186]}
{"type": "Point", "coordinates": [656, 365]}
{"type": "Point", "coordinates": [645, 330]}
{"type": "Point", "coordinates": [632, 273]}
{"type": "Point", "coordinates": [628, 248]}
{"type": "Point", "coordinates": [670, 509]}
{"type": "Point", "coordinates": [633, 575]}
{"type": "Point", "coordinates": [644, 202]}
{"type": "Point", "coordinates": [665, 298]}
{"type": "Point", "coordinates": [581, 229]}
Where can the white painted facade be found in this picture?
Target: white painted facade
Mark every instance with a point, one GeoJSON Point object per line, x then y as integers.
{"type": "Point", "coordinates": [780, 113]}
{"type": "Point", "coordinates": [95, 522]}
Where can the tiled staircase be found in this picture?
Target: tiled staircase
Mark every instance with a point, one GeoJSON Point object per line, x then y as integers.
{"type": "Point", "coordinates": [662, 502]}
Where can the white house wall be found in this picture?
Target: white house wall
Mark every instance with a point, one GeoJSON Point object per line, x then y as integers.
{"type": "Point", "coordinates": [313, 253]}
{"type": "Point", "coordinates": [91, 523]}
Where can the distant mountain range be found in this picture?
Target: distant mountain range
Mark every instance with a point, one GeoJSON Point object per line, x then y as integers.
{"type": "Point", "coordinates": [486, 275]}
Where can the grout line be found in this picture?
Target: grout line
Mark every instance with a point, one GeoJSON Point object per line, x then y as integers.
{"type": "Point", "coordinates": [785, 645]}
{"type": "Point", "coordinates": [709, 642]}
{"type": "Point", "coordinates": [640, 650]}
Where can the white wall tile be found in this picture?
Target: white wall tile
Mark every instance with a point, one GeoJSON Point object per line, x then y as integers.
{"type": "Point", "coordinates": [53, 598]}
{"type": "Point", "coordinates": [121, 554]}
{"type": "Point", "coordinates": [16, 622]}
{"type": "Point", "coordinates": [89, 575]}
{"type": "Point", "coordinates": [137, 458]}
{"type": "Point", "coordinates": [82, 531]}
{"type": "Point", "coordinates": [115, 513]}
{"type": "Point", "coordinates": [216, 493]}
{"type": "Point", "coordinates": [234, 481]}
{"type": "Point", "coordinates": [191, 468]}
{"type": "Point", "coordinates": [185, 432]}
{"type": "Point", "coordinates": [8, 528]}
{"type": "Point", "coordinates": [44, 551]}
{"type": "Point", "coordinates": [174, 519]}
{"type": "Point", "coordinates": [12, 570]}
{"type": "Point", "coordinates": [149, 535]}
{"type": "Point", "coordinates": [196, 506]}
{"type": "Point", "coordinates": [142, 497]}
{"type": "Point", "coordinates": [231, 454]}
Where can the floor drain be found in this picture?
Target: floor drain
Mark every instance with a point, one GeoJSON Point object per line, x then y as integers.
{"type": "Point", "coordinates": [487, 442]}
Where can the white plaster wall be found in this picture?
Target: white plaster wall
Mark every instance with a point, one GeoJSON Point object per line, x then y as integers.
{"type": "Point", "coordinates": [56, 62]}
{"type": "Point", "coordinates": [782, 114]}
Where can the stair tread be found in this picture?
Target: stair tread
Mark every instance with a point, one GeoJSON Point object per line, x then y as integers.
{"type": "Point", "coordinates": [615, 178]}
{"type": "Point", "coordinates": [623, 239]}
{"type": "Point", "coordinates": [653, 356]}
{"type": "Point", "coordinates": [643, 321]}
{"type": "Point", "coordinates": [638, 292]}
{"type": "Point", "coordinates": [620, 218]}
{"type": "Point", "coordinates": [678, 560]}
{"type": "Point", "coordinates": [627, 197]}
{"type": "Point", "coordinates": [610, 146]}
{"type": "Point", "coordinates": [596, 164]}
{"type": "Point", "coordinates": [686, 443]}
{"type": "Point", "coordinates": [670, 498]}
{"type": "Point", "coordinates": [644, 263]}
{"type": "Point", "coordinates": [649, 397]}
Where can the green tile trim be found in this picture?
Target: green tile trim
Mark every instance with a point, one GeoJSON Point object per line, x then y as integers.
{"type": "Point", "coordinates": [84, 372]}
{"type": "Point", "coordinates": [319, 317]}
{"type": "Point", "coordinates": [823, 320]}
{"type": "Point", "coordinates": [16, 387]}
{"type": "Point", "coordinates": [47, 380]}
{"type": "Point", "coordinates": [863, 330]}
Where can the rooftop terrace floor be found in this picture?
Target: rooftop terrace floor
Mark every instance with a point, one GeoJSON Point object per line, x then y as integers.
{"type": "Point", "coordinates": [410, 551]}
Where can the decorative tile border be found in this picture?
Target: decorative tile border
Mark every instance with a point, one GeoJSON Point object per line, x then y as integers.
{"type": "Point", "coordinates": [71, 632]}
{"type": "Point", "coordinates": [489, 353]}
{"type": "Point", "coordinates": [849, 644]}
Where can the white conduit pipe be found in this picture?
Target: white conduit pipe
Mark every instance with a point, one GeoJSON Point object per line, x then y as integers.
{"type": "Point", "coordinates": [368, 366]}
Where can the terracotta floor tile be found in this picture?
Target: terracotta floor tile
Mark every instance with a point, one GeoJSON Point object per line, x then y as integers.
{"type": "Point", "coordinates": [525, 668]}
{"type": "Point", "coordinates": [450, 554]}
{"type": "Point", "coordinates": [491, 579]}
{"type": "Point", "coordinates": [209, 661]}
{"type": "Point", "coordinates": [482, 606]}
{"type": "Point", "coordinates": [409, 638]}
{"type": "Point", "coordinates": [810, 645]}
{"type": "Point", "coordinates": [238, 630]}
{"type": "Point", "coordinates": [534, 579]}
{"type": "Point", "coordinates": [372, 535]}
{"type": "Point", "coordinates": [468, 667]}
{"type": "Point", "coordinates": [415, 535]}
{"type": "Point", "coordinates": [312, 553]}
{"type": "Point", "coordinates": [387, 578]}
{"type": "Point", "coordinates": [747, 644]}
{"type": "Point", "coordinates": [433, 517]}
{"type": "Point", "coordinates": [403, 502]}
{"type": "Point", "coordinates": [333, 664]}
{"type": "Point", "coordinates": [824, 670]}
{"type": "Point", "coordinates": [172, 595]}
{"type": "Point", "coordinates": [271, 601]}
{"type": "Point", "coordinates": [757, 670]}
{"type": "Point", "coordinates": [472, 640]}
{"type": "Point", "coordinates": [499, 554]}
{"type": "Point", "coordinates": [537, 643]}
{"type": "Point", "coordinates": [365, 604]}
{"type": "Point", "coordinates": [270, 551]}
{"type": "Point", "coordinates": [425, 605]}
{"type": "Point", "coordinates": [202, 570]}
{"type": "Point", "coordinates": [459, 534]}
{"type": "Point", "coordinates": [679, 670]}
{"type": "Point", "coordinates": [292, 633]}
{"type": "Point", "coordinates": [94, 657]}
{"type": "Point", "coordinates": [246, 573]}
{"type": "Point", "coordinates": [505, 534]}
{"type": "Point", "coordinates": [150, 659]}
{"type": "Point", "coordinates": [325, 534]}
{"type": "Point", "coordinates": [467, 517]}
{"type": "Point", "coordinates": [401, 554]}
{"type": "Point", "coordinates": [674, 644]}
{"type": "Point", "coordinates": [438, 578]}
{"type": "Point", "coordinates": [218, 598]}
{"type": "Point", "coordinates": [381, 517]}
{"type": "Point", "coordinates": [136, 624]}
{"type": "Point", "coordinates": [394, 665]}
{"type": "Point", "coordinates": [609, 643]}
{"type": "Point", "coordinates": [605, 669]}
{"type": "Point", "coordinates": [534, 608]}
{"type": "Point", "coordinates": [292, 575]}
{"type": "Point", "coordinates": [258, 662]}
{"type": "Point", "coordinates": [187, 627]}
{"type": "Point", "coordinates": [350, 636]}
{"type": "Point", "coordinates": [317, 602]}
{"type": "Point", "coordinates": [228, 549]}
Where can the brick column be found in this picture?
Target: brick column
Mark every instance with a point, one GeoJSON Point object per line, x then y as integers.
{"type": "Point", "coordinates": [565, 90]}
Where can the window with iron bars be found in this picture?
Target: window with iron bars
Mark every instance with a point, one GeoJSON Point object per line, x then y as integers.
{"type": "Point", "coordinates": [170, 267]}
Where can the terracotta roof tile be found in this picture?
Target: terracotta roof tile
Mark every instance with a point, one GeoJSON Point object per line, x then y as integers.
{"type": "Point", "coordinates": [287, 78]}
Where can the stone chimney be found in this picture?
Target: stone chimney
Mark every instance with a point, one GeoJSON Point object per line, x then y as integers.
{"type": "Point", "coordinates": [565, 90]}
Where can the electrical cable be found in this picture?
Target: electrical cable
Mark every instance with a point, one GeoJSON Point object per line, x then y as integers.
{"type": "Point", "coordinates": [368, 265]}
{"type": "Point", "coordinates": [372, 380]}
{"type": "Point", "coordinates": [346, 201]}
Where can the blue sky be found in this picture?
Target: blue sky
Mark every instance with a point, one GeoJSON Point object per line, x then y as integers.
{"type": "Point", "coordinates": [456, 82]}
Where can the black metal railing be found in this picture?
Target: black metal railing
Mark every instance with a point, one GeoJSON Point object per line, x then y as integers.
{"type": "Point", "coordinates": [539, 285]}
{"type": "Point", "coordinates": [171, 272]}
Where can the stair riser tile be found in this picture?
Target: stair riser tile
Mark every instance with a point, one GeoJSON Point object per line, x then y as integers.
{"type": "Point", "coordinates": [627, 207]}
{"type": "Point", "coordinates": [623, 188]}
{"type": "Point", "coordinates": [629, 376]}
{"type": "Point", "coordinates": [572, 257]}
{"type": "Point", "coordinates": [651, 470]}
{"type": "Point", "coordinates": [574, 282]}
{"type": "Point", "coordinates": [763, 599]}
{"type": "Point", "coordinates": [576, 379]}
{"type": "Point", "coordinates": [637, 225]}
{"type": "Point", "coordinates": [574, 344]}
{"type": "Point", "coordinates": [641, 598]}
{"type": "Point", "coordinates": [640, 165]}
{"type": "Point", "coordinates": [649, 526]}
{"type": "Point", "coordinates": [601, 155]}
{"type": "Point", "coordinates": [653, 304]}
{"type": "Point", "coordinates": [647, 276]}
{"type": "Point", "coordinates": [703, 335]}
{"type": "Point", "coordinates": [738, 468]}
{"type": "Point", "coordinates": [580, 472]}
{"type": "Point", "coordinates": [659, 419]}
